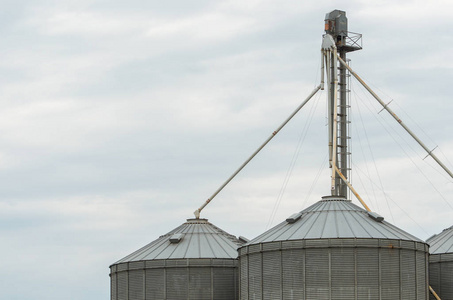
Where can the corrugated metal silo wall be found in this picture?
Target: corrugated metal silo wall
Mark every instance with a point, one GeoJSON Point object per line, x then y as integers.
{"type": "Point", "coordinates": [197, 279]}
{"type": "Point", "coordinates": [334, 269]}
{"type": "Point", "coordinates": [441, 275]}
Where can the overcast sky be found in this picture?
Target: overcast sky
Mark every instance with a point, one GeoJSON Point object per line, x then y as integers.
{"type": "Point", "coordinates": [119, 118]}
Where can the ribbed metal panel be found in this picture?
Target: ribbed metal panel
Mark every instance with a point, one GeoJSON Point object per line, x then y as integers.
{"type": "Point", "coordinates": [447, 257]}
{"type": "Point", "coordinates": [368, 273]}
{"type": "Point", "coordinates": [149, 264]}
{"type": "Point", "coordinates": [200, 283]}
{"type": "Point", "coordinates": [254, 248]}
{"type": "Point", "coordinates": [136, 265]}
{"type": "Point", "coordinates": [297, 244]}
{"type": "Point", "coordinates": [321, 243]}
{"type": "Point", "coordinates": [343, 273]}
{"type": "Point", "coordinates": [224, 283]}
{"type": "Point", "coordinates": [317, 273]}
{"type": "Point", "coordinates": [113, 295]}
{"type": "Point", "coordinates": [198, 262]}
{"type": "Point", "coordinates": [136, 284]}
{"type": "Point", "coordinates": [272, 270]}
{"type": "Point", "coordinates": [122, 286]}
{"type": "Point", "coordinates": [373, 243]}
{"type": "Point", "coordinates": [293, 274]}
{"type": "Point", "coordinates": [155, 283]}
{"type": "Point", "coordinates": [123, 267]}
{"type": "Point", "coordinates": [441, 278]}
{"type": "Point", "coordinates": [447, 280]}
{"type": "Point", "coordinates": [407, 244]}
{"type": "Point", "coordinates": [441, 263]}
{"type": "Point", "coordinates": [242, 251]}
{"type": "Point", "coordinates": [271, 246]}
{"type": "Point", "coordinates": [434, 279]}
{"type": "Point", "coordinates": [421, 269]}
{"type": "Point", "coordinates": [244, 277]}
{"type": "Point", "coordinates": [336, 273]}
{"type": "Point", "coordinates": [177, 283]}
{"type": "Point", "coordinates": [408, 282]}
{"type": "Point", "coordinates": [178, 279]}
{"type": "Point", "coordinates": [255, 283]}
{"type": "Point", "coordinates": [390, 273]}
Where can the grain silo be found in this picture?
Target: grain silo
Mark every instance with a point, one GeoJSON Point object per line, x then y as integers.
{"type": "Point", "coordinates": [441, 263]}
{"type": "Point", "coordinates": [196, 260]}
{"type": "Point", "coordinates": [334, 250]}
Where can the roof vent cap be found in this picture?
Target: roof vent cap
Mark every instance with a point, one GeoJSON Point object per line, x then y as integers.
{"type": "Point", "coordinates": [375, 216]}
{"type": "Point", "coordinates": [243, 239]}
{"type": "Point", "coordinates": [176, 238]}
{"type": "Point", "coordinates": [293, 218]}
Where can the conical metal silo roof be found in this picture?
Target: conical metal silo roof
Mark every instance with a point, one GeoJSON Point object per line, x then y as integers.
{"type": "Point", "coordinates": [196, 238]}
{"type": "Point", "coordinates": [442, 242]}
{"type": "Point", "coordinates": [330, 218]}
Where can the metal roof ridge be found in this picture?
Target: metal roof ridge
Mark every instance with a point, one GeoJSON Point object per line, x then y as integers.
{"type": "Point", "coordinates": [218, 243]}
{"type": "Point", "coordinates": [312, 224]}
{"type": "Point", "coordinates": [351, 228]}
{"type": "Point", "coordinates": [298, 228]}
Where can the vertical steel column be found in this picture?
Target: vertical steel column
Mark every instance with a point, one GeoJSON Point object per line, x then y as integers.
{"type": "Point", "coordinates": [334, 126]}
{"type": "Point", "coordinates": [343, 129]}
{"type": "Point", "coordinates": [328, 57]}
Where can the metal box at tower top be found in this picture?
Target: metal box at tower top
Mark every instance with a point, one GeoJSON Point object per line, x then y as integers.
{"type": "Point", "coordinates": [336, 23]}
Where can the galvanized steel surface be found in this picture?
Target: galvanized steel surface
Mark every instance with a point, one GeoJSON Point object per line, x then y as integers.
{"type": "Point", "coordinates": [333, 217]}
{"type": "Point", "coordinates": [197, 279]}
{"type": "Point", "coordinates": [442, 242]}
{"type": "Point", "coordinates": [441, 263]}
{"type": "Point", "coordinates": [441, 275]}
{"type": "Point", "coordinates": [197, 260]}
{"type": "Point", "coordinates": [350, 269]}
{"type": "Point", "coordinates": [199, 239]}
{"type": "Point", "coordinates": [335, 250]}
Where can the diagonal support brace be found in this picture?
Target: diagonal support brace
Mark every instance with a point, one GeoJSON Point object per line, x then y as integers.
{"type": "Point", "coordinates": [352, 189]}
{"type": "Point", "coordinates": [198, 211]}
{"type": "Point", "coordinates": [396, 117]}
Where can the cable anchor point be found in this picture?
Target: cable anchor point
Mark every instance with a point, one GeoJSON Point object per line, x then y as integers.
{"type": "Point", "coordinates": [429, 153]}
{"type": "Point", "coordinates": [385, 106]}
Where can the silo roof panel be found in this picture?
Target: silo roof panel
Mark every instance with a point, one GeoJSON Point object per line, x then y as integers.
{"type": "Point", "coordinates": [331, 225]}
{"type": "Point", "coordinates": [442, 242]}
{"type": "Point", "coordinates": [205, 248]}
{"type": "Point", "coordinates": [343, 220]}
{"type": "Point", "coordinates": [201, 239]}
{"type": "Point", "coordinates": [317, 226]}
{"type": "Point", "coordinates": [219, 247]}
{"type": "Point", "coordinates": [333, 218]}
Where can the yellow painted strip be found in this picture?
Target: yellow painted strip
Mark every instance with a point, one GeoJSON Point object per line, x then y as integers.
{"type": "Point", "coordinates": [434, 293]}
{"type": "Point", "coordinates": [352, 189]}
